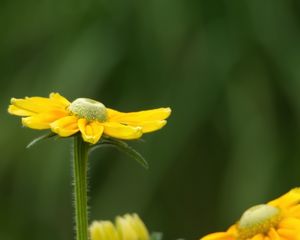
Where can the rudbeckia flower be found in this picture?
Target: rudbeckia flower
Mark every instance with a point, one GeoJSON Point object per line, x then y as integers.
{"type": "Point", "coordinates": [128, 227]}
{"type": "Point", "coordinates": [87, 116]}
{"type": "Point", "coordinates": [276, 220]}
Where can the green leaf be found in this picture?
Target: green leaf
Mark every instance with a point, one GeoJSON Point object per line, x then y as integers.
{"type": "Point", "coordinates": [123, 147]}
{"type": "Point", "coordinates": [41, 138]}
{"type": "Point", "coordinates": [156, 236]}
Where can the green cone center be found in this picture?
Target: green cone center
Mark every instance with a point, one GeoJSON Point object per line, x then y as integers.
{"type": "Point", "coordinates": [88, 109]}
{"type": "Point", "coordinates": [258, 220]}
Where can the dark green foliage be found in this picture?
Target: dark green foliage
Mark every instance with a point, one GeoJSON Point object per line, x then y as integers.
{"type": "Point", "coordinates": [230, 71]}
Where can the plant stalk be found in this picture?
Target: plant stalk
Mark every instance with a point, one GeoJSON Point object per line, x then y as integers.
{"type": "Point", "coordinates": [80, 161]}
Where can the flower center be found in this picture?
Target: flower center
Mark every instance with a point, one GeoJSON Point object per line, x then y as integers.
{"type": "Point", "coordinates": [88, 109]}
{"type": "Point", "coordinates": [258, 220]}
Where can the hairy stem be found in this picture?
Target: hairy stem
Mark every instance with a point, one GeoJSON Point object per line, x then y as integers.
{"type": "Point", "coordinates": [80, 162]}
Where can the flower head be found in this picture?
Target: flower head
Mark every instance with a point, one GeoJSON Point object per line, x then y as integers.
{"type": "Point", "coordinates": [128, 227]}
{"type": "Point", "coordinates": [276, 220]}
{"type": "Point", "coordinates": [87, 116]}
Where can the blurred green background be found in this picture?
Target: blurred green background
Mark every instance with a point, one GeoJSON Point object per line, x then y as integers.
{"type": "Point", "coordinates": [230, 70]}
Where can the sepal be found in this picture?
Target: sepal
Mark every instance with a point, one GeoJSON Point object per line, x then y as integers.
{"type": "Point", "coordinates": [41, 138]}
{"type": "Point", "coordinates": [122, 147]}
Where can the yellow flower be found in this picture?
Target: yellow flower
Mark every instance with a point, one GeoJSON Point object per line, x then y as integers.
{"type": "Point", "coordinates": [88, 116]}
{"type": "Point", "coordinates": [276, 220]}
{"type": "Point", "coordinates": [128, 227]}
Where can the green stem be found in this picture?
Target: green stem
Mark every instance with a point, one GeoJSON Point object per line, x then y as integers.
{"type": "Point", "coordinates": [80, 187]}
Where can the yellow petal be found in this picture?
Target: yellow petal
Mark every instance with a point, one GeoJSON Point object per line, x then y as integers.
{"type": "Point", "coordinates": [111, 113]}
{"type": "Point", "coordinates": [289, 199]}
{"type": "Point", "coordinates": [103, 230]}
{"type": "Point", "coordinates": [273, 235]}
{"type": "Point", "coordinates": [65, 126]}
{"type": "Point", "coordinates": [36, 105]}
{"type": "Point", "coordinates": [117, 130]}
{"type": "Point", "coordinates": [90, 131]}
{"type": "Point", "coordinates": [294, 211]}
{"type": "Point", "coordinates": [42, 120]}
{"type": "Point", "coordinates": [233, 230]}
{"type": "Point", "coordinates": [149, 120]}
{"type": "Point", "coordinates": [59, 99]}
{"type": "Point", "coordinates": [138, 226]}
{"type": "Point", "coordinates": [151, 126]}
{"type": "Point", "coordinates": [288, 234]}
{"type": "Point", "coordinates": [290, 223]}
{"type": "Point", "coordinates": [137, 117]}
{"type": "Point", "coordinates": [125, 230]}
{"type": "Point", "coordinates": [19, 111]}
{"type": "Point", "coordinates": [218, 236]}
{"type": "Point", "coordinates": [258, 237]}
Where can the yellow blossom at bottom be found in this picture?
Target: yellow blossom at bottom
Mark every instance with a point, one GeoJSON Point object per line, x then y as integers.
{"type": "Point", "coordinates": [276, 220]}
{"type": "Point", "coordinates": [128, 227]}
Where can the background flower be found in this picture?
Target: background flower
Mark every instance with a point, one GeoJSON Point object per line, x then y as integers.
{"type": "Point", "coordinates": [278, 219]}
{"type": "Point", "coordinates": [127, 227]}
